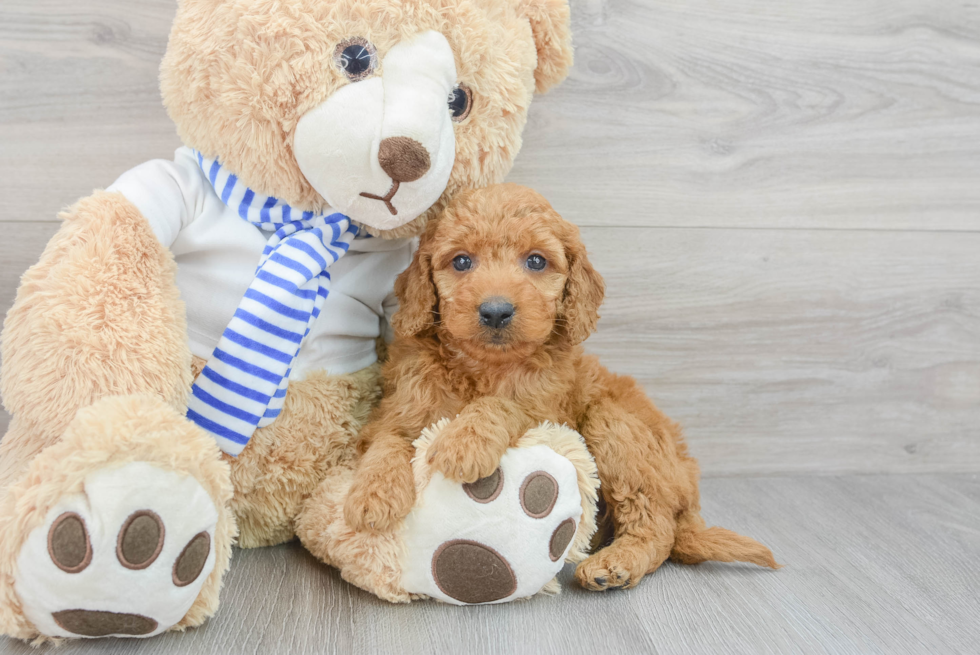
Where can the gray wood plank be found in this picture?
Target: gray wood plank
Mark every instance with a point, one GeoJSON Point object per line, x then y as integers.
{"type": "Point", "coordinates": [879, 564]}
{"type": "Point", "coordinates": [818, 351]}
{"type": "Point", "coordinates": [80, 102]}
{"type": "Point", "coordinates": [753, 113]}
{"type": "Point", "coordinates": [765, 114]}
{"type": "Point", "coordinates": [793, 350]}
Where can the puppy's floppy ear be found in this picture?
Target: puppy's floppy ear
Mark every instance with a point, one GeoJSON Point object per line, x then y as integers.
{"type": "Point", "coordinates": [417, 298]}
{"type": "Point", "coordinates": [550, 25]}
{"type": "Point", "coordinates": [584, 290]}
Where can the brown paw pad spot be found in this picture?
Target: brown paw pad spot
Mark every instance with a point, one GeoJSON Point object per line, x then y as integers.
{"type": "Point", "coordinates": [90, 623]}
{"type": "Point", "coordinates": [140, 540]}
{"type": "Point", "coordinates": [191, 560]}
{"type": "Point", "coordinates": [538, 494]}
{"type": "Point", "coordinates": [472, 573]}
{"type": "Point", "coordinates": [560, 538]}
{"type": "Point", "coordinates": [485, 489]}
{"type": "Point", "coordinates": [68, 543]}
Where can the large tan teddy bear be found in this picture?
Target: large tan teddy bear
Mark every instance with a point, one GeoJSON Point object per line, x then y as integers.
{"type": "Point", "coordinates": [196, 348]}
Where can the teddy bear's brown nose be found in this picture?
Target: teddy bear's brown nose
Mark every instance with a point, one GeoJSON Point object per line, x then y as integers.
{"type": "Point", "coordinates": [403, 159]}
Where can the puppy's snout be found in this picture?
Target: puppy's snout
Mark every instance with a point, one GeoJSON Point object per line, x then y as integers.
{"type": "Point", "coordinates": [403, 159]}
{"type": "Point", "coordinates": [496, 313]}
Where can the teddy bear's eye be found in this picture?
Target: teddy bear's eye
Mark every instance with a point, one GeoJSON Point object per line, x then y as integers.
{"type": "Point", "coordinates": [460, 102]}
{"type": "Point", "coordinates": [462, 263]}
{"type": "Point", "coordinates": [356, 58]}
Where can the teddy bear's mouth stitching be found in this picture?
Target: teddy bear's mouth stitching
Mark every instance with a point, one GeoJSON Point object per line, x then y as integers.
{"type": "Point", "coordinates": [386, 199]}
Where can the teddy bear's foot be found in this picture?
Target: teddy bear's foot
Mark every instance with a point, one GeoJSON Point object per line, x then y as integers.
{"type": "Point", "coordinates": [505, 536]}
{"type": "Point", "coordinates": [127, 530]}
{"type": "Point", "coordinates": [126, 557]}
{"type": "Point", "coordinates": [508, 535]}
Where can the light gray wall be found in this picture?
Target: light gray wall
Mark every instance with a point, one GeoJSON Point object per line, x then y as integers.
{"type": "Point", "coordinates": [784, 199]}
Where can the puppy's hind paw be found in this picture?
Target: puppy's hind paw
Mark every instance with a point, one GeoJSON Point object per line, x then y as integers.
{"type": "Point", "coordinates": [608, 569]}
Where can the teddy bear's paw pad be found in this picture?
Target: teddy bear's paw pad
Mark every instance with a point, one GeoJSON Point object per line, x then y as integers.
{"type": "Point", "coordinates": [140, 540]}
{"type": "Point", "coordinates": [500, 538]}
{"type": "Point", "coordinates": [68, 543]}
{"type": "Point", "coordinates": [190, 563]}
{"type": "Point", "coordinates": [486, 489]}
{"type": "Point", "coordinates": [125, 557]}
{"type": "Point", "coordinates": [539, 491]}
{"type": "Point", "coordinates": [92, 623]}
{"type": "Point", "coordinates": [560, 538]}
{"type": "Point", "coordinates": [472, 573]}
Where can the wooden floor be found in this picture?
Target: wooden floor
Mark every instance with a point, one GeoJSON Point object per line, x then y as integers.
{"type": "Point", "coordinates": [874, 564]}
{"type": "Point", "coordinates": [784, 198]}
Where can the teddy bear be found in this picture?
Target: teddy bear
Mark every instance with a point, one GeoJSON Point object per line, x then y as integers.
{"type": "Point", "coordinates": [197, 347]}
{"type": "Point", "coordinates": [510, 535]}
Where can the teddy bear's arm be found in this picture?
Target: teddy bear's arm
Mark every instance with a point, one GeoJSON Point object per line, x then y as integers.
{"type": "Point", "coordinates": [169, 194]}
{"type": "Point", "coordinates": [99, 314]}
{"type": "Point", "coordinates": [103, 302]}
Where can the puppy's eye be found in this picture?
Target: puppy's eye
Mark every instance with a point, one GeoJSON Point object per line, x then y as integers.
{"type": "Point", "coordinates": [460, 102]}
{"type": "Point", "coordinates": [462, 263]}
{"type": "Point", "coordinates": [356, 58]}
{"type": "Point", "coordinates": [536, 262]}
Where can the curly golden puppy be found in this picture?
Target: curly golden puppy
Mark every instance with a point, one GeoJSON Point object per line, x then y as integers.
{"type": "Point", "coordinates": [493, 309]}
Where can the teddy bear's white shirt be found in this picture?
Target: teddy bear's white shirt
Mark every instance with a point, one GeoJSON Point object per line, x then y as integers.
{"type": "Point", "coordinates": [216, 253]}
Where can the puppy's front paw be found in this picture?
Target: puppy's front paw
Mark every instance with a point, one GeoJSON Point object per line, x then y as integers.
{"type": "Point", "coordinates": [379, 501]}
{"type": "Point", "coordinates": [464, 453]}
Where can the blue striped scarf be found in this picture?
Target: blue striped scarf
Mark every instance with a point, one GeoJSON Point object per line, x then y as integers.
{"type": "Point", "coordinates": [243, 386]}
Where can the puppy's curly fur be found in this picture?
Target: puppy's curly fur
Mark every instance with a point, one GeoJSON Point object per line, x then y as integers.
{"type": "Point", "coordinates": [494, 308]}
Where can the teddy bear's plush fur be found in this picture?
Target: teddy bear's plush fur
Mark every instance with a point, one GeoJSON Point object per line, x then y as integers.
{"type": "Point", "coordinates": [96, 363]}
{"type": "Point", "coordinates": [375, 560]}
{"type": "Point", "coordinates": [269, 64]}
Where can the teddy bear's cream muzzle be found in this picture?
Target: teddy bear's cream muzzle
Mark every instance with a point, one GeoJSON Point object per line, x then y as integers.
{"type": "Point", "coordinates": [381, 150]}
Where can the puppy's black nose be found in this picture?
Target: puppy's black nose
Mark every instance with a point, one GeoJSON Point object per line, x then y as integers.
{"type": "Point", "coordinates": [496, 313]}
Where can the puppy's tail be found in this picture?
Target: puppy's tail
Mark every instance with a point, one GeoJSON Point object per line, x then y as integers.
{"type": "Point", "coordinates": [694, 543]}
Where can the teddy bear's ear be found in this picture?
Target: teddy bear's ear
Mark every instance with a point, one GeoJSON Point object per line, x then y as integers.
{"type": "Point", "coordinates": [552, 38]}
